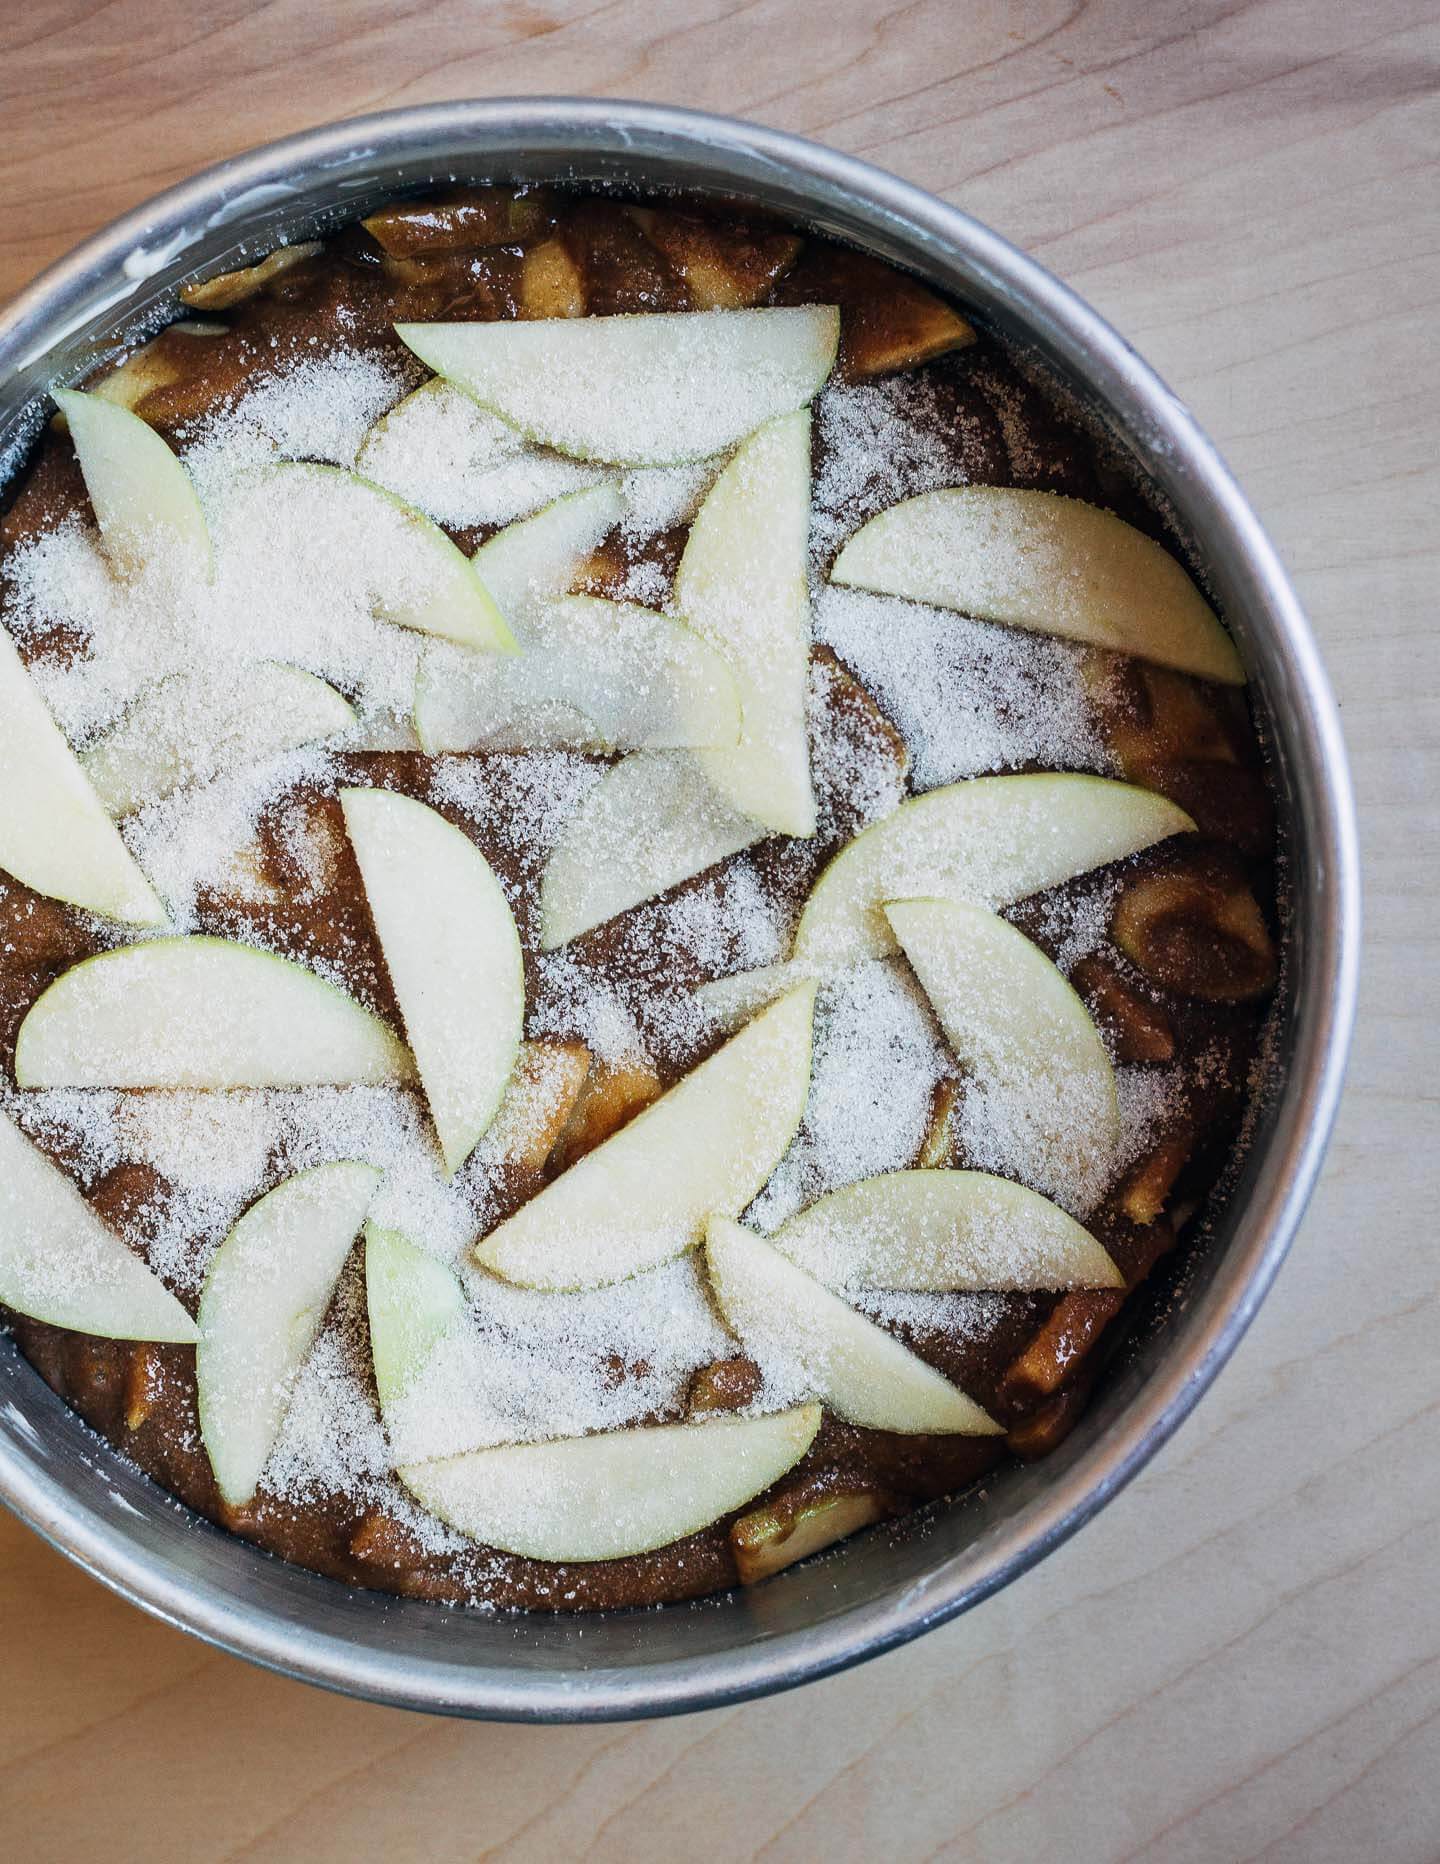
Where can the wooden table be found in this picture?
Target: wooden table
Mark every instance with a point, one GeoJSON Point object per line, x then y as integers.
{"type": "Point", "coordinates": [1241, 1657]}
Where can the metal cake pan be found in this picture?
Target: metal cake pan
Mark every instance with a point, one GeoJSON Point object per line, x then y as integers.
{"type": "Point", "coordinates": [884, 1587]}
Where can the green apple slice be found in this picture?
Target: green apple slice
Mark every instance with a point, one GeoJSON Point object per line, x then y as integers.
{"type": "Point", "coordinates": [612, 1495]}
{"type": "Point", "coordinates": [742, 585]}
{"type": "Point", "coordinates": [642, 1197]}
{"type": "Point", "coordinates": [201, 1012]}
{"type": "Point", "coordinates": [54, 833]}
{"type": "Point", "coordinates": [1041, 561]}
{"type": "Point", "coordinates": [538, 558]}
{"type": "Point", "coordinates": [264, 1298]}
{"type": "Point", "coordinates": [59, 1263]}
{"type": "Point", "coordinates": [649, 823]}
{"type": "Point", "coordinates": [453, 954]}
{"type": "Point", "coordinates": [413, 1302]}
{"type": "Point", "coordinates": [856, 1369]}
{"type": "Point", "coordinates": [1033, 1053]}
{"type": "Point", "coordinates": [638, 680]}
{"type": "Point", "coordinates": [935, 1232]}
{"type": "Point", "coordinates": [428, 584]}
{"type": "Point", "coordinates": [189, 727]}
{"type": "Point", "coordinates": [648, 390]}
{"type": "Point", "coordinates": [991, 839]}
{"type": "Point", "coordinates": [144, 503]}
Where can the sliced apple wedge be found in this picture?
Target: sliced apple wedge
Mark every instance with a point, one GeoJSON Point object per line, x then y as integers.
{"type": "Point", "coordinates": [59, 1263]}
{"type": "Point", "coordinates": [742, 585]}
{"type": "Point", "coordinates": [538, 558]}
{"type": "Point", "coordinates": [934, 1232]}
{"type": "Point", "coordinates": [159, 364]}
{"type": "Point", "coordinates": [1041, 1094]}
{"type": "Point", "coordinates": [651, 822]}
{"type": "Point", "coordinates": [225, 289]}
{"type": "Point", "coordinates": [991, 840]}
{"type": "Point", "coordinates": [147, 510]}
{"type": "Point", "coordinates": [189, 727]}
{"type": "Point", "coordinates": [648, 390]}
{"type": "Point", "coordinates": [54, 833]}
{"type": "Point", "coordinates": [548, 1080]}
{"type": "Point", "coordinates": [264, 1298]}
{"type": "Point", "coordinates": [453, 954]}
{"type": "Point", "coordinates": [594, 675]}
{"type": "Point", "coordinates": [1040, 561]}
{"type": "Point", "coordinates": [642, 1197]}
{"type": "Point", "coordinates": [413, 1301]}
{"type": "Point", "coordinates": [857, 1370]}
{"type": "Point", "coordinates": [616, 1494]}
{"type": "Point", "coordinates": [427, 584]}
{"type": "Point", "coordinates": [201, 1012]}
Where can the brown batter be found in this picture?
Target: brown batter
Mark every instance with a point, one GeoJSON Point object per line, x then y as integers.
{"type": "Point", "coordinates": [1198, 992]}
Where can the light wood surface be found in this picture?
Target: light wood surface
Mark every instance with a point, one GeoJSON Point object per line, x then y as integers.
{"type": "Point", "coordinates": [1241, 1657]}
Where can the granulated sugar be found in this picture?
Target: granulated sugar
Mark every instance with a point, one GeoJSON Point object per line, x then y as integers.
{"type": "Point", "coordinates": [857, 774]}
{"type": "Point", "coordinates": [968, 696]}
{"type": "Point", "coordinates": [876, 1061]}
{"type": "Point", "coordinates": [1075, 925]}
{"type": "Point", "coordinates": [319, 409]}
{"type": "Point", "coordinates": [524, 1366]}
{"type": "Point", "coordinates": [1046, 1134]}
{"type": "Point", "coordinates": [961, 1316]}
{"type": "Point", "coordinates": [658, 498]}
{"type": "Point", "coordinates": [523, 801]}
{"type": "Point", "coordinates": [195, 837]}
{"type": "Point", "coordinates": [573, 1003]}
{"type": "Point", "coordinates": [78, 1123]}
{"type": "Point", "coordinates": [879, 442]}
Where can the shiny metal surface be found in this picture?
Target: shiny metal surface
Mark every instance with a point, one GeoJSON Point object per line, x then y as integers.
{"type": "Point", "coordinates": [881, 1589]}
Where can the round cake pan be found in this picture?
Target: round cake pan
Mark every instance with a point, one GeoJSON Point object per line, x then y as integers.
{"type": "Point", "coordinates": [886, 1586]}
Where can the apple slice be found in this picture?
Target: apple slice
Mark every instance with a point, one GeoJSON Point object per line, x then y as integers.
{"type": "Point", "coordinates": [59, 1263]}
{"type": "Point", "coordinates": [189, 727]}
{"type": "Point", "coordinates": [642, 1197]}
{"type": "Point", "coordinates": [427, 584]}
{"type": "Point", "coordinates": [991, 839]}
{"type": "Point", "coordinates": [616, 1494]}
{"type": "Point", "coordinates": [742, 585]}
{"type": "Point", "coordinates": [159, 364]}
{"type": "Point", "coordinates": [651, 822]}
{"type": "Point", "coordinates": [538, 558]}
{"type": "Point", "coordinates": [453, 954]}
{"type": "Point", "coordinates": [647, 390]}
{"type": "Point", "coordinates": [1041, 1086]}
{"type": "Point", "coordinates": [264, 1298]}
{"type": "Point", "coordinates": [857, 1370]}
{"type": "Point", "coordinates": [548, 1080]}
{"type": "Point", "coordinates": [224, 289]}
{"type": "Point", "coordinates": [413, 1301]}
{"type": "Point", "coordinates": [147, 510]}
{"type": "Point", "coordinates": [595, 675]}
{"type": "Point", "coordinates": [788, 1529]}
{"type": "Point", "coordinates": [1040, 561]}
{"type": "Point", "coordinates": [201, 1012]}
{"type": "Point", "coordinates": [932, 1232]}
{"type": "Point", "coordinates": [54, 833]}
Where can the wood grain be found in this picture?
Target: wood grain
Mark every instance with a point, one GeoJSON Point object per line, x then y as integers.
{"type": "Point", "coordinates": [1241, 1658]}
